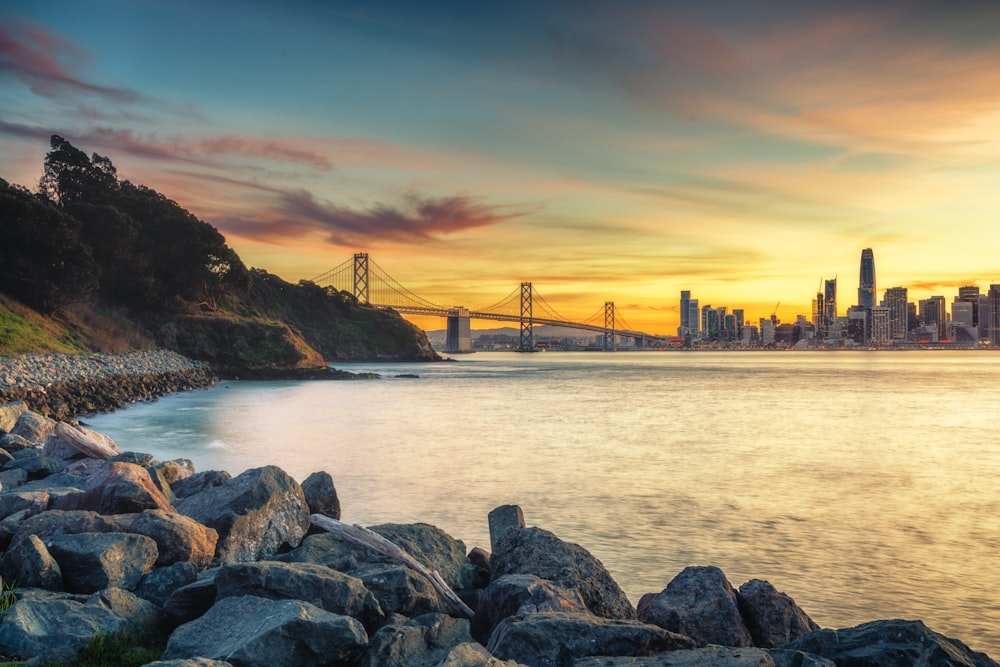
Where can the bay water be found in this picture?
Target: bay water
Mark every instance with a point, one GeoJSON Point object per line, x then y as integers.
{"type": "Point", "coordinates": [863, 484]}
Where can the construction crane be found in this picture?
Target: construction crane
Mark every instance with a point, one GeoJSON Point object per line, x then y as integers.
{"type": "Point", "coordinates": [774, 314]}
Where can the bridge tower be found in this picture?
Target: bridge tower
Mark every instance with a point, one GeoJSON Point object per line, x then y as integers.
{"type": "Point", "coordinates": [459, 332]}
{"type": "Point", "coordinates": [610, 342]}
{"type": "Point", "coordinates": [361, 276]}
{"type": "Point", "coordinates": [527, 342]}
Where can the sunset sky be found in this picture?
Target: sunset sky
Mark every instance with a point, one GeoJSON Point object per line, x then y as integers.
{"type": "Point", "coordinates": [604, 151]}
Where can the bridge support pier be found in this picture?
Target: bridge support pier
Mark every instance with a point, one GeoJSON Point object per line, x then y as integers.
{"type": "Point", "coordinates": [459, 332]}
{"type": "Point", "coordinates": [361, 276]}
{"type": "Point", "coordinates": [527, 342]}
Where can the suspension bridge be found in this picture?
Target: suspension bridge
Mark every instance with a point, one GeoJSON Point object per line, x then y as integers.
{"type": "Point", "coordinates": [371, 285]}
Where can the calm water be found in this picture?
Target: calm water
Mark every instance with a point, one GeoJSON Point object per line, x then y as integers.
{"type": "Point", "coordinates": [862, 484]}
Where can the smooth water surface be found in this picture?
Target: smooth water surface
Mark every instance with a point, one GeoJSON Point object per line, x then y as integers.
{"type": "Point", "coordinates": [862, 484]}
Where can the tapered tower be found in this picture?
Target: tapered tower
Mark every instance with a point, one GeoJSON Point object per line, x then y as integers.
{"type": "Point", "coordinates": [866, 281]}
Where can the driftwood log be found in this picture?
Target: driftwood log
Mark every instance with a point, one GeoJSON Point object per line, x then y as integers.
{"type": "Point", "coordinates": [376, 542]}
{"type": "Point", "coordinates": [83, 443]}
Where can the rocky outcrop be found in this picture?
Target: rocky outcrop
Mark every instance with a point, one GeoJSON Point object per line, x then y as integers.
{"type": "Point", "coordinates": [129, 556]}
{"type": "Point", "coordinates": [700, 603]}
{"type": "Point", "coordinates": [255, 514]}
{"type": "Point", "coordinates": [539, 552]}
{"type": "Point", "coordinates": [890, 643]}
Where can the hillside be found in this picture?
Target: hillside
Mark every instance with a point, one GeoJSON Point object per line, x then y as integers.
{"type": "Point", "coordinates": [91, 263]}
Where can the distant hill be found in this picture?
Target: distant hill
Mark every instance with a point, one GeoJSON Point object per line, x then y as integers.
{"type": "Point", "coordinates": [91, 263]}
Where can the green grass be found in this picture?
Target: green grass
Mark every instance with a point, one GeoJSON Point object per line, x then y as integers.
{"type": "Point", "coordinates": [20, 335]}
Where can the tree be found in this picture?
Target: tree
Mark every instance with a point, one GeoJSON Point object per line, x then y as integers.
{"type": "Point", "coordinates": [42, 261]}
{"type": "Point", "coordinates": [70, 176]}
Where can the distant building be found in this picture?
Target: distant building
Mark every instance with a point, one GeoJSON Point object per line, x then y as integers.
{"type": "Point", "coordinates": [685, 313]}
{"type": "Point", "coordinates": [881, 327]}
{"type": "Point", "coordinates": [694, 317]}
{"type": "Point", "coordinates": [766, 331]}
{"type": "Point", "coordinates": [857, 324]}
{"type": "Point", "coordinates": [830, 299]}
{"type": "Point", "coordinates": [993, 303]}
{"type": "Point", "coordinates": [866, 280]}
{"type": "Point", "coordinates": [932, 313]}
{"type": "Point", "coordinates": [896, 301]}
{"type": "Point", "coordinates": [970, 294]}
{"type": "Point", "coordinates": [961, 313]}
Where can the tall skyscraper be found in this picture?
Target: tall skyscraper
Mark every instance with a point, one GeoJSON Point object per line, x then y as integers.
{"type": "Point", "coordinates": [895, 301]}
{"type": "Point", "coordinates": [830, 298]}
{"type": "Point", "coordinates": [932, 314]}
{"type": "Point", "coordinates": [685, 325]}
{"type": "Point", "coordinates": [993, 305]}
{"type": "Point", "coordinates": [866, 280]}
{"type": "Point", "coordinates": [694, 317]}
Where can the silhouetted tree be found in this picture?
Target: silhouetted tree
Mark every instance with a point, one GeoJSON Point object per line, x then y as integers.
{"type": "Point", "coordinates": [42, 261]}
{"type": "Point", "coordinates": [70, 176]}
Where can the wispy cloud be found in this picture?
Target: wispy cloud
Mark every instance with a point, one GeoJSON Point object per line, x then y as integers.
{"type": "Point", "coordinates": [43, 60]}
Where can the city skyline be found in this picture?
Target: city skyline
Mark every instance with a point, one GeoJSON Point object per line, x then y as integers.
{"type": "Point", "coordinates": [604, 152]}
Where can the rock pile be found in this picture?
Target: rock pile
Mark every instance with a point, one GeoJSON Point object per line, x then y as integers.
{"type": "Point", "coordinates": [232, 571]}
{"type": "Point", "coordinates": [63, 385]}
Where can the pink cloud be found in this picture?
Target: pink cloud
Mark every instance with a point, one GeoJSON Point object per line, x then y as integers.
{"type": "Point", "coordinates": [34, 59]}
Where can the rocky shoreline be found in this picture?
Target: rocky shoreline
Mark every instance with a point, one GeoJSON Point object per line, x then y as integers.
{"type": "Point", "coordinates": [257, 570]}
{"type": "Point", "coordinates": [65, 385]}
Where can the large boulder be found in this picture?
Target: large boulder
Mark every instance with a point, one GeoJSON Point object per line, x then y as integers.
{"type": "Point", "coordinates": [434, 548]}
{"type": "Point", "coordinates": [141, 614]}
{"type": "Point", "coordinates": [30, 565]}
{"type": "Point", "coordinates": [541, 553]}
{"type": "Point", "coordinates": [424, 641]}
{"type": "Point", "coordinates": [33, 427]}
{"type": "Point", "coordinates": [772, 617]}
{"type": "Point", "coordinates": [891, 643]}
{"type": "Point", "coordinates": [330, 550]}
{"type": "Point", "coordinates": [34, 465]}
{"type": "Point", "coordinates": [178, 538]}
{"type": "Point", "coordinates": [93, 561]}
{"type": "Point", "coordinates": [53, 522]}
{"type": "Point", "coordinates": [57, 629]}
{"type": "Point", "coordinates": [191, 600]}
{"type": "Point", "coordinates": [520, 595]}
{"type": "Point", "coordinates": [327, 589]}
{"type": "Point", "coordinates": [189, 485]}
{"type": "Point", "coordinates": [9, 412]}
{"type": "Point", "coordinates": [256, 514]}
{"type": "Point", "coordinates": [189, 662]}
{"type": "Point", "coordinates": [399, 590]}
{"type": "Point", "coordinates": [270, 633]}
{"type": "Point", "coordinates": [161, 582]}
{"type": "Point", "coordinates": [700, 603]}
{"type": "Point", "coordinates": [15, 501]}
{"type": "Point", "coordinates": [118, 488]}
{"type": "Point", "coordinates": [556, 639]}
{"type": "Point", "coordinates": [321, 495]}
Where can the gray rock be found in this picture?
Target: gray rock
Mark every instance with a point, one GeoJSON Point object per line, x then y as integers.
{"type": "Point", "coordinates": [198, 482]}
{"type": "Point", "coordinates": [50, 523]}
{"type": "Point", "coordinates": [29, 565]}
{"type": "Point", "coordinates": [399, 589]}
{"type": "Point", "coordinates": [161, 582]}
{"type": "Point", "coordinates": [709, 656]}
{"type": "Point", "coordinates": [474, 655]}
{"type": "Point", "coordinates": [434, 548]}
{"type": "Point", "coordinates": [161, 483]}
{"type": "Point", "coordinates": [424, 641]}
{"type": "Point", "coordinates": [321, 495]}
{"type": "Point", "coordinates": [773, 618]}
{"type": "Point", "coordinates": [178, 538]}
{"type": "Point", "coordinates": [256, 514]}
{"type": "Point", "coordinates": [118, 488]}
{"type": "Point", "coordinates": [10, 479]}
{"type": "Point", "coordinates": [271, 633]}
{"type": "Point", "coordinates": [328, 589]}
{"type": "Point", "coordinates": [9, 412]}
{"type": "Point", "coordinates": [141, 614]}
{"type": "Point", "coordinates": [784, 658]}
{"type": "Point", "coordinates": [556, 639]}
{"type": "Point", "coordinates": [93, 561]}
{"type": "Point", "coordinates": [330, 550]}
{"type": "Point", "coordinates": [140, 459]}
{"type": "Point", "coordinates": [33, 427]}
{"type": "Point", "coordinates": [55, 629]}
{"type": "Point", "coordinates": [14, 443]}
{"type": "Point", "coordinates": [502, 519]}
{"type": "Point", "coordinates": [890, 643]}
{"type": "Point", "coordinates": [539, 552]}
{"type": "Point", "coordinates": [5, 456]}
{"type": "Point", "coordinates": [175, 470]}
{"type": "Point", "coordinates": [18, 500]}
{"type": "Point", "coordinates": [35, 467]}
{"type": "Point", "coordinates": [520, 595]}
{"type": "Point", "coordinates": [191, 600]}
{"type": "Point", "coordinates": [700, 603]}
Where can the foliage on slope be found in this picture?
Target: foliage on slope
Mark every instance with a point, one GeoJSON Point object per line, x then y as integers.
{"type": "Point", "coordinates": [116, 265]}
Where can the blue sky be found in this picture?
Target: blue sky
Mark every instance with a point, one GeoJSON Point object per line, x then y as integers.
{"type": "Point", "coordinates": [605, 151]}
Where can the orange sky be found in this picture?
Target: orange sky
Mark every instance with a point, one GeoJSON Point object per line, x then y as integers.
{"type": "Point", "coordinates": [604, 152]}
